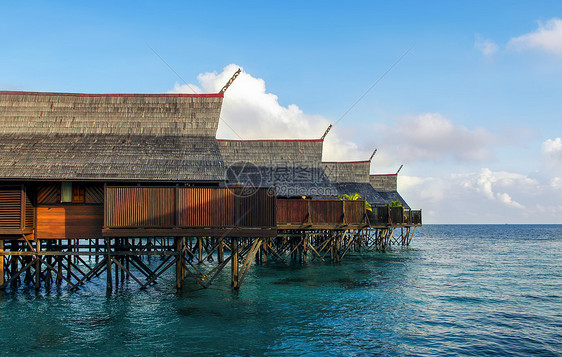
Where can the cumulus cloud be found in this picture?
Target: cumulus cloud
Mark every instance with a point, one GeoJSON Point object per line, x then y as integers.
{"type": "Point", "coordinates": [250, 112]}
{"type": "Point", "coordinates": [552, 147]}
{"type": "Point", "coordinates": [188, 88]}
{"type": "Point", "coordinates": [552, 155]}
{"type": "Point", "coordinates": [547, 37]}
{"type": "Point", "coordinates": [487, 47]}
{"type": "Point", "coordinates": [484, 196]}
{"type": "Point", "coordinates": [488, 183]}
{"type": "Point", "coordinates": [556, 182]}
{"type": "Point", "coordinates": [431, 136]}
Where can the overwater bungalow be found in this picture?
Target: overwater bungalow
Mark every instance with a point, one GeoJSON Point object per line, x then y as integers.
{"type": "Point", "coordinates": [124, 176]}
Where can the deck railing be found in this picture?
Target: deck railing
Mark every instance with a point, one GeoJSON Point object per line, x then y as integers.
{"type": "Point", "coordinates": [394, 216]}
{"type": "Point", "coordinates": [300, 213]}
{"type": "Point", "coordinates": [187, 207]}
{"type": "Point", "coordinates": [220, 207]}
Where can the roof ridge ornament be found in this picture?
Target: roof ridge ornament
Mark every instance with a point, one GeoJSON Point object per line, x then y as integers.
{"type": "Point", "coordinates": [326, 132]}
{"type": "Point", "coordinates": [372, 155]}
{"type": "Point", "coordinates": [400, 168]}
{"type": "Point", "coordinates": [230, 81]}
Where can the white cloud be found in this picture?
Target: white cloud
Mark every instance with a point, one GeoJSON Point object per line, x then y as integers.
{"type": "Point", "coordinates": [487, 47]}
{"type": "Point", "coordinates": [484, 196]}
{"type": "Point", "coordinates": [431, 136]}
{"type": "Point", "coordinates": [250, 112]}
{"type": "Point", "coordinates": [552, 155]}
{"type": "Point", "coordinates": [552, 147]}
{"type": "Point", "coordinates": [488, 182]}
{"type": "Point", "coordinates": [547, 38]}
{"type": "Point", "coordinates": [188, 88]}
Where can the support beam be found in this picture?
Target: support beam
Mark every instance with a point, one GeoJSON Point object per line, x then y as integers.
{"type": "Point", "coordinates": [180, 242]}
{"type": "Point", "coordinates": [2, 263]}
{"type": "Point", "coordinates": [234, 263]}
{"type": "Point", "coordinates": [38, 266]}
{"type": "Point", "coordinates": [109, 286]}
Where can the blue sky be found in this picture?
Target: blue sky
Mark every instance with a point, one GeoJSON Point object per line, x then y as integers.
{"type": "Point", "coordinates": [473, 110]}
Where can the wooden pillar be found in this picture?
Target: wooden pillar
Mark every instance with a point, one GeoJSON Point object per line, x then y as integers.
{"type": "Point", "coordinates": [304, 248]}
{"type": "Point", "coordinates": [179, 263]}
{"type": "Point", "coordinates": [48, 275]}
{"type": "Point", "coordinates": [234, 263]}
{"type": "Point", "coordinates": [331, 246]}
{"type": "Point", "coordinates": [200, 249]}
{"type": "Point", "coordinates": [221, 251]}
{"type": "Point", "coordinates": [14, 262]}
{"type": "Point", "coordinates": [122, 259]}
{"type": "Point", "coordinates": [264, 250]}
{"type": "Point", "coordinates": [59, 260]}
{"type": "Point", "coordinates": [97, 250]}
{"type": "Point", "coordinates": [128, 258]}
{"type": "Point", "coordinates": [109, 285]}
{"type": "Point", "coordinates": [1, 263]}
{"type": "Point", "coordinates": [38, 266]}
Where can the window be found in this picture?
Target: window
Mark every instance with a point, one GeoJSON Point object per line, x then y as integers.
{"type": "Point", "coordinates": [77, 193]}
{"type": "Point", "coordinates": [72, 192]}
{"type": "Point", "coordinates": [66, 192]}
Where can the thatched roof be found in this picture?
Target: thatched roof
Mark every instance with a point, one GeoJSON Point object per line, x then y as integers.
{"type": "Point", "coordinates": [117, 114]}
{"type": "Point", "coordinates": [351, 177]}
{"type": "Point", "coordinates": [272, 152]}
{"type": "Point", "coordinates": [61, 136]}
{"type": "Point", "coordinates": [348, 171]}
{"type": "Point", "coordinates": [387, 186]}
{"type": "Point", "coordinates": [293, 166]}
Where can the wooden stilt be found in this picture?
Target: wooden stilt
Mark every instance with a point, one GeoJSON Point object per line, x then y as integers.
{"type": "Point", "coordinates": [1, 263]}
{"type": "Point", "coordinates": [264, 250]}
{"type": "Point", "coordinates": [59, 265]}
{"type": "Point", "coordinates": [14, 263]}
{"type": "Point", "coordinates": [221, 251]}
{"type": "Point", "coordinates": [200, 249]}
{"type": "Point", "coordinates": [234, 263]}
{"type": "Point", "coordinates": [179, 263]}
{"type": "Point", "coordinates": [109, 285]}
{"type": "Point", "coordinates": [38, 266]}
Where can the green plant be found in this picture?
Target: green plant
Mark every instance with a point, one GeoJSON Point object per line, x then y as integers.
{"type": "Point", "coordinates": [356, 197]}
{"type": "Point", "coordinates": [395, 204]}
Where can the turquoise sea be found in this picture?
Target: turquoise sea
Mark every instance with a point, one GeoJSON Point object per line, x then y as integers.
{"type": "Point", "coordinates": [457, 290]}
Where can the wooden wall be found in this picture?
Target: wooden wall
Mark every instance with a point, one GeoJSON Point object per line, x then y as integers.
{"type": "Point", "coordinates": [185, 207]}
{"type": "Point", "coordinates": [69, 221]}
{"type": "Point", "coordinates": [17, 213]}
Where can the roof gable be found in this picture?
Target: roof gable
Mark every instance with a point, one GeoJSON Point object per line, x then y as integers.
{"type": "Point", "coordinates": [116, 114]}
{"type": "Point", "coordinates": [351, 171]}
{"type": "Point", "coordinates": [144, 137]}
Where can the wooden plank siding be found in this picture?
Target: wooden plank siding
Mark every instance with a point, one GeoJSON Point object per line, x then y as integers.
{"type": "Point", "coordinates": [17, 213]}
{"type": "Point", "coordinates": [255, 210]}
{"type": "Point", "coordinates": [326, 211]}
{"type": "Point", "coordinates": [292, 211]}
{"type": "Point", "coordinates": [140, 207]}
{"type": "Point", "coordinates": [383, 216]}
{"type": "Point", "coordinates": [187, 211]}
{"type": "Point", "coordinates": [205, 207]}
{"type": "Point", "coordinates": [355, 212]}
{"type": "Point", "coordinates": [320, 214]}
{"type": "Point", "coordinates": [69, 221]}
{"type": "Point", "coordinates": [10, 209]}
